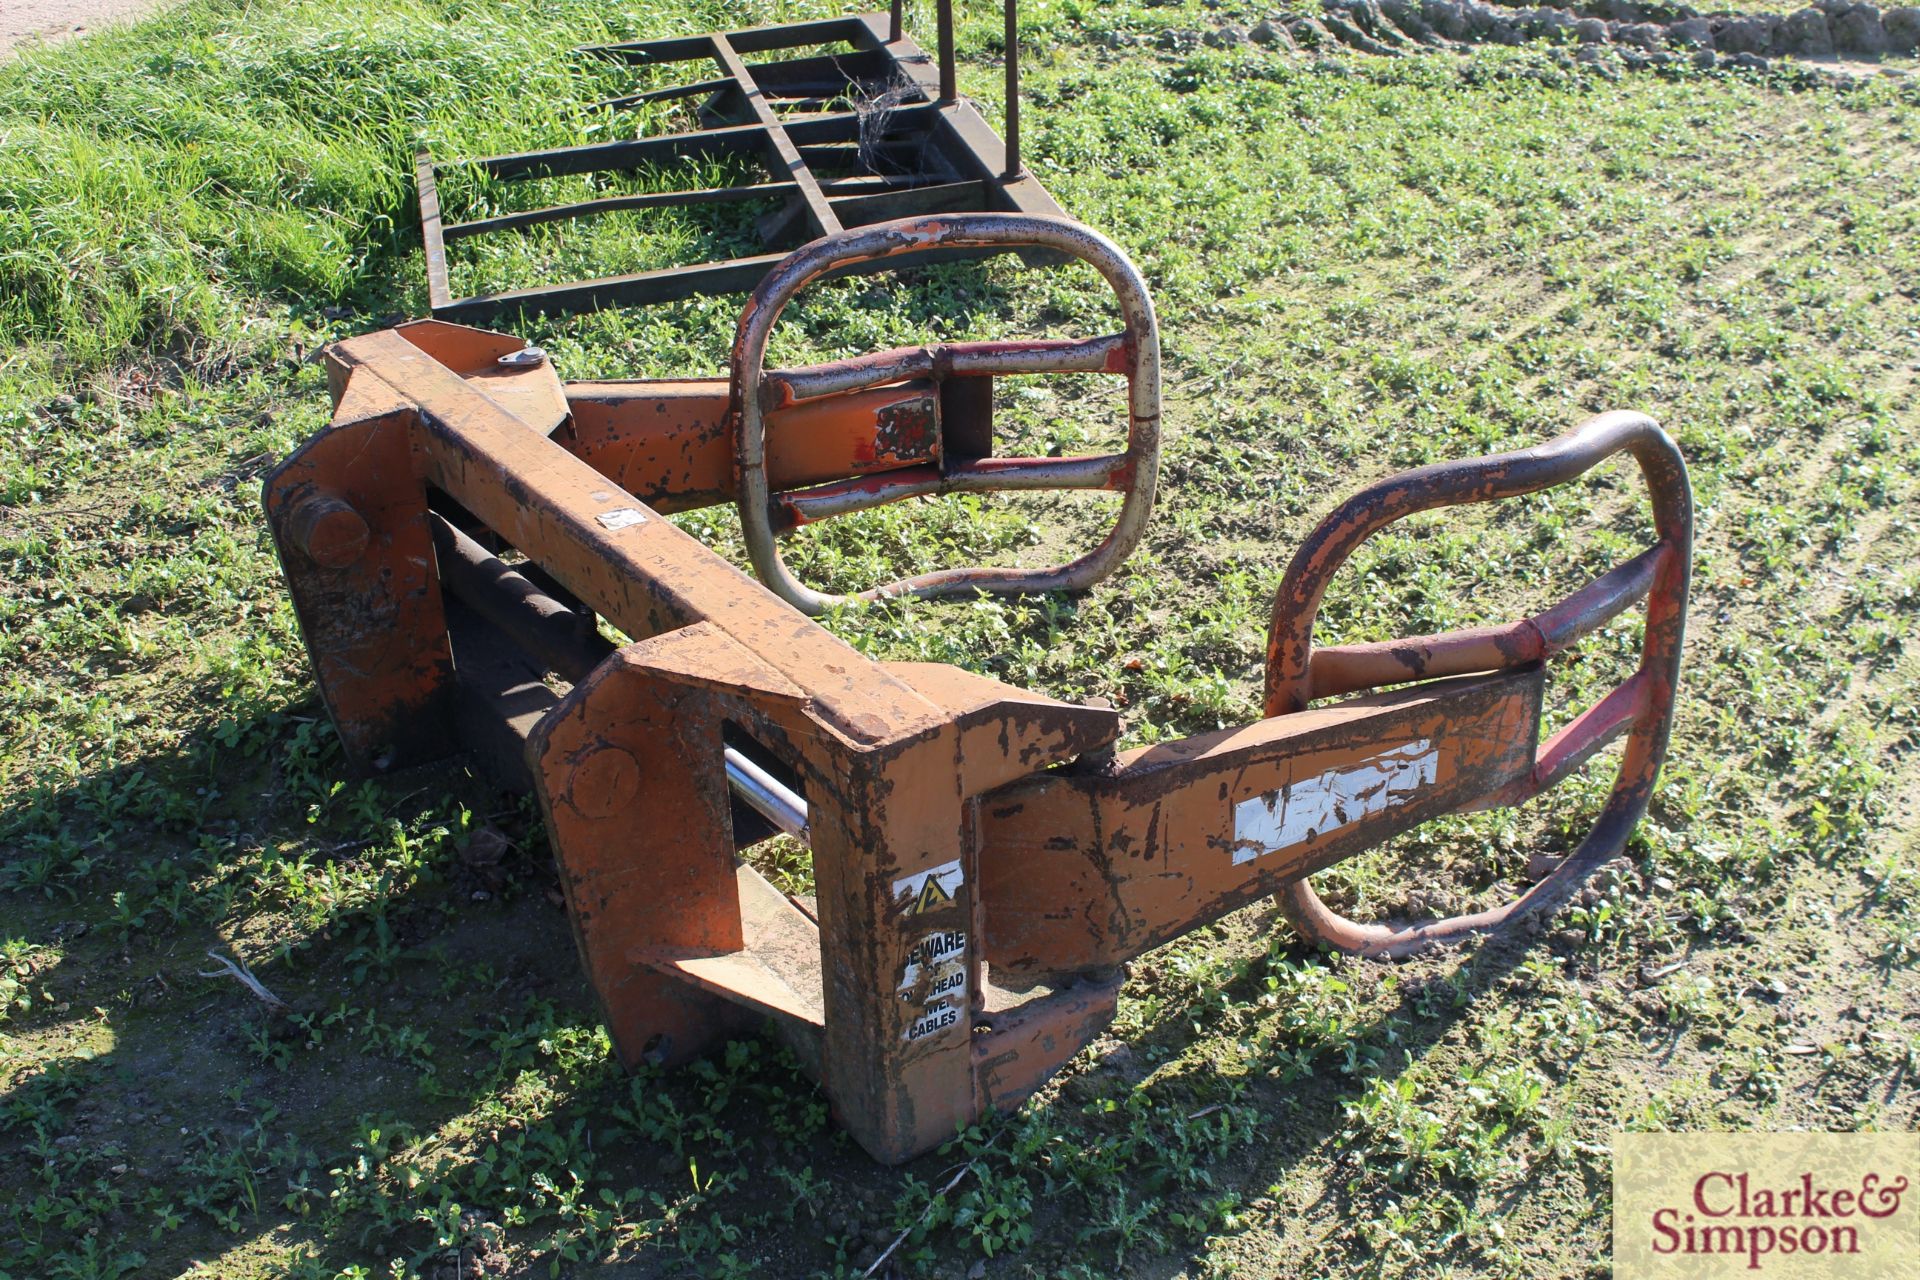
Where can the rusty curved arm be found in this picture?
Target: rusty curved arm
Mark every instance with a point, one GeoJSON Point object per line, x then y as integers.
{"type": "Point", "coordinates": [1135, 352]}
{"type": "Point", "coordinates": [1642, 707]}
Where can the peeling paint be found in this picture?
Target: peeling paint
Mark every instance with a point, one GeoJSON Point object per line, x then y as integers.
{"type": "Point", "coordinates": [1328, 801]}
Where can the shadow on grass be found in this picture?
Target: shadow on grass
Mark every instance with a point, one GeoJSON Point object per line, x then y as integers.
{"type": "Point", "coordinates": [140, 1067]}
{"type": "Point", "coordinates": [440, 1048]}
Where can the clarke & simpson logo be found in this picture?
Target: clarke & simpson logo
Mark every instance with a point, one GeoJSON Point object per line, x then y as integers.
{"type": "Point", "coordinates": [1780, 1205]}
{"type": "Point", "coordinates": [1726, 1216]}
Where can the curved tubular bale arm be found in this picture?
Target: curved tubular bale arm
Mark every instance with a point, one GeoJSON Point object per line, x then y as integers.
{"type": "Point", "coordinates": [1641, 708]}
{"type": "Point", "coordinates": [756, 392]}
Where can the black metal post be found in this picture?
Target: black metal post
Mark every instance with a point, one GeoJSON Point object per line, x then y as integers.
{"type": "Point", "coordinates": [949, 86]}
{"type": "Point", "coordinates": [1014, 168]}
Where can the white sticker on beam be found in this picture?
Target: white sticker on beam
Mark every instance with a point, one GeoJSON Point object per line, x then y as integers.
{"type": "Point", "coordinates": [621, 518]}
{"type": "Point", "coordinates": [929, 890]}
{"type": "Point", "coordinates": [1311, 808]}
{"type": "Point", "coordinates": [935, 978]}
{"type": "Point", "coordinates": [937, 1018]}
{"type": "Point", "coordinates": [933, 957]}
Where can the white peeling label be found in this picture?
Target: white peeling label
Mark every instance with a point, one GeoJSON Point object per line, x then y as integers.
{"type": "Point", "coordinates": [929, 890]}
{"type": "Point", "coordinates": [1305, 810]}
{"type": "Point", "coordinates": [936, 951]}
{"type": "Point", "coordinates": [933, 1020]}
{"type": "Point", "coordinates": [935, 976]}
{"type": "Point", "coordinates": [948, 978]}
{"type": "Point", "coordinates": [621, 518]}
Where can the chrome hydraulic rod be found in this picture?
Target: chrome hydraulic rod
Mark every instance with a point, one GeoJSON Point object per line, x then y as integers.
{"type": "Point", "coordinates": [766, 795]}
{"type": "Point", "coordinates": [546, 627]}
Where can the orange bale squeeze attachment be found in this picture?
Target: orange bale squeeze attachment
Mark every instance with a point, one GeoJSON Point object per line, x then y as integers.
{"type": "Point", "coordinates": [985, 863]}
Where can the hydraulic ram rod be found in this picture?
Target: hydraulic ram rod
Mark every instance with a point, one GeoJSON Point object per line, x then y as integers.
{"type": "Point", "coordinates": [546, 628]}
{"type": "Point", "coordinates": [766, 795]}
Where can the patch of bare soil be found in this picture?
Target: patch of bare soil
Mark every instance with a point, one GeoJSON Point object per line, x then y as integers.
{"type": "Point", "coordinates": [25, 21]}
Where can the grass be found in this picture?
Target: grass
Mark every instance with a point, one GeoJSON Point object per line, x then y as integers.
{"type": "Point", "coordinates": [1360, 265]}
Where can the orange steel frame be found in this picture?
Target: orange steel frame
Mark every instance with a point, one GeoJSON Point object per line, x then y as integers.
{"type": "Point", "coordinates": [985, 862]}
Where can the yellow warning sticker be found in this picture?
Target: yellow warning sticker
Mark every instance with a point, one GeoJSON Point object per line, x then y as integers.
{"type": "Point", "coordinates": [929, 890]}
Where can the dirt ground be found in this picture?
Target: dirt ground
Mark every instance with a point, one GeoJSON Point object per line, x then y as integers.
{"type": "Point", "coordinates": [22, 21]}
